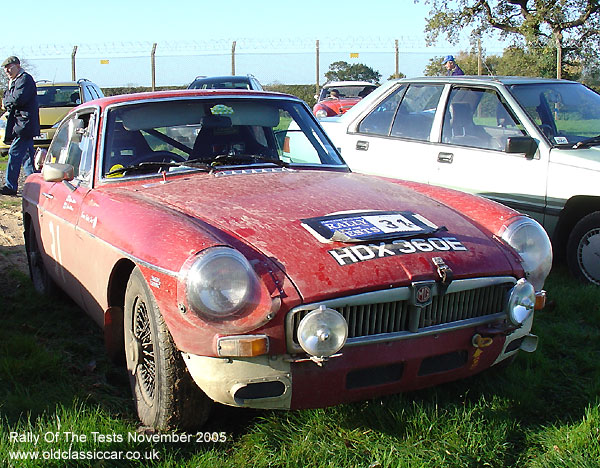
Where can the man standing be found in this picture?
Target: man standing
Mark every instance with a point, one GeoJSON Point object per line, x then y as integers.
{"type": "Point", "coordinates": [451, 66]}
{"type": "Point", "coordinates": [22, 124]}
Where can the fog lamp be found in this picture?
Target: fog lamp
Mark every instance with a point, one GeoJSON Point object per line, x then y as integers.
{"type": "Point", "coordinates": [521, 302]}
{"type": "Point", "coordinates": [322, 332]}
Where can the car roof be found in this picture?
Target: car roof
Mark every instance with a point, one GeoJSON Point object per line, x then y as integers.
{"type": "Point", "coordinates": [184, 93]}
{"type": "Point", "coordinates": [483, 79]}
{"type": "Point", "coordinates": [211, 79]}
{"type": "Point", "coordinates": [44, 83]}
{"type": "Point", "coordinates": [333, 84]}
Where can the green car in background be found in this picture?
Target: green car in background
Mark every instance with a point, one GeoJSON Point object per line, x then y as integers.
{"type": "Point", "coordinates": [55, 101]}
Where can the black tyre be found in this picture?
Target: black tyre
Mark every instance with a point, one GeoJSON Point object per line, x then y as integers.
{"type": "Point", "coordinates": [42, 282]}
{"type": "Point", "coordinates": [583, 249]}
{"type": "Point", "coordinates": [164, 393]}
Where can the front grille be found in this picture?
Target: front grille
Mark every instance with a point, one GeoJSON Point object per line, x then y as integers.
{"type": "Point", "coordinates": [400, 317]}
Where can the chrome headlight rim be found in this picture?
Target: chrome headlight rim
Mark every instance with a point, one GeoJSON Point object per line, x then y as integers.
{"type": "Point", "coordinates": [520, 305]}
{"type": "Point", "coordinates": [321, 113]}
{"type": "Point", "coordinates": [322, 332]}
{"type": "Point", "coordinates": [223, 301]}
{"type": "Point", "coordinates": [531, 242]}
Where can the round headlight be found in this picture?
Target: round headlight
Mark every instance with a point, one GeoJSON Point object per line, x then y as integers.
{"type": "Point", "coordinates": [321, 113]}
{"type": "Point", "coordinates": [220, 283]}
{"type": "Point", "coordinates": [521, 302]}
{"type": "Point", "coordinates": [531, 242]}
{"type": "Point", "coordinates": [322, 332]}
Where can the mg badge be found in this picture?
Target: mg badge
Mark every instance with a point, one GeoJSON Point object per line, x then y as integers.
{"type": "Point", "coordinates": [422, 293]}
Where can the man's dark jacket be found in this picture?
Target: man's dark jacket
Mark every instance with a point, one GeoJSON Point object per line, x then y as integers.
{"type": "Point", "coordinates": [20, 102]}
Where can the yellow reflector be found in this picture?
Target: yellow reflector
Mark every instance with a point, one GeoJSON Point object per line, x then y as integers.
{"type": "Point", "coordinates": [243, 345]}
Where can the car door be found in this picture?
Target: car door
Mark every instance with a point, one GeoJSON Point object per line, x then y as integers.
{"type": "Point", "coordinates": [62, 202]}
{"type": "Point", "coordinates": [393, 138]}
{"type": "Point", "coordinates": [471, 155]}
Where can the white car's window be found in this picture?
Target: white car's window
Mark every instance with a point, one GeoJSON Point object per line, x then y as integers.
{"type": "Point", "coordinates": [379, 120]}
{"type": "Point", "coordinates": [567, 113]}
{"type": "Point", "coordinates": [479, 118]}
{"type": "Point", "coordinates": [416, 112]}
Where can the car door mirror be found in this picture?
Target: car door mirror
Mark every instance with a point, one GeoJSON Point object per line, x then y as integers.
{"type": "Point", "coordinates": [56, 172]}
{"type": "Point", "coordinates": [521, 144]}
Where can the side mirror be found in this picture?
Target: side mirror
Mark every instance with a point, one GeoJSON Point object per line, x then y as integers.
{"type": "Point", "coordinates": [39, 157]}
{"type": "Point", "coordinates": [521, 144]}
{"type": "Point", "coordinates": [56, 172]}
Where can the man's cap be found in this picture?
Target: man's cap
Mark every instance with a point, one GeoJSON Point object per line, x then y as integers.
{"type": "Point", "coordinates": [448, 58]}
{"type": "Point", "coordinates": [10, 60]}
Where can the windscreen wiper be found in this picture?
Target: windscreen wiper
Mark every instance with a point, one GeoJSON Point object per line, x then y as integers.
{"type": "Point", "coordinates": [587, 142]}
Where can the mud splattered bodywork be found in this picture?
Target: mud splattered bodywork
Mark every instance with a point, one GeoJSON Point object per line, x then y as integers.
{"type": "Point", "coordinates": [227, 250]}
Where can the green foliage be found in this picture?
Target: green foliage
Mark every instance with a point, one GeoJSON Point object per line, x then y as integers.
{"type": "Point", "coordinates": [304, 92]}
{"type": "Point", "coordinates": [343, 71]}
{"type": "Point", "coordinates": [514, 61]}
{"type": "Point", "coordinates": [395, 76]}
{"type": "Point", "coordinates": [571, 25]}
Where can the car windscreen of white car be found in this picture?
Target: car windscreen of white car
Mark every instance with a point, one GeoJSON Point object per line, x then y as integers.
{"type": "Point", "coordinates": [567, 113]}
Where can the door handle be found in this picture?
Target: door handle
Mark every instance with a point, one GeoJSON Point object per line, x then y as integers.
{"type": "Point", "coordinates": [362, 145]}
{"type": "Point", "coordinates": [446, 158]}
{"type": "Point", "coordinates": [49, 196]}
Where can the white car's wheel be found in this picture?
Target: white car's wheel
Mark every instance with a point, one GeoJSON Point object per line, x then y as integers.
{"type": "Point", "coordinates": [583, 249]}
{"type": "Point", "coordinates": [164, 393]}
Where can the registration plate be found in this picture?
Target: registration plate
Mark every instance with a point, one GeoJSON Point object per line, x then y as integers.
{"type": "Point", "coordinates": [363, 226]}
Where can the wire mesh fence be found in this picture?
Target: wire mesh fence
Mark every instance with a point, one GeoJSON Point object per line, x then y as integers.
{"type": "Point", "coordinates": [288, 61]}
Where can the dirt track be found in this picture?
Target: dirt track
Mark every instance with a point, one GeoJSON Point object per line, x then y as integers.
{"type": "Point", "coordinates": [12, 245]}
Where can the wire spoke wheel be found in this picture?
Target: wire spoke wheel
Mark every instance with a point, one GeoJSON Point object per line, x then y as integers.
{"type": "Point", "coordinates": [164, 393]}
{"type": "Point", "coordinates": [146, 365]}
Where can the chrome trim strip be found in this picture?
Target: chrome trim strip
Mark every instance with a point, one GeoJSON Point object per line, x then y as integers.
{"type": "Point", "coordinates": [387, 337]}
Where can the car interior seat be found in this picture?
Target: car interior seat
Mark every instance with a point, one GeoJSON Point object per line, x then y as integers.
{"type": "Point", "coordinates": [463, 130]}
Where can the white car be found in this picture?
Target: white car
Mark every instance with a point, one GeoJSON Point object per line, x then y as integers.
{"type": "Point", "coordinates": [529, 143]}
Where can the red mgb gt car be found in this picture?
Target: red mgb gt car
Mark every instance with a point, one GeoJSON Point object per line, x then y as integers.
{"type": "Point", "coordinates": [231, 256]}
{"type": "Point", "coordinates": [337, 97]}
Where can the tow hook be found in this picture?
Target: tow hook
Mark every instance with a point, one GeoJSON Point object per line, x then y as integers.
{"type": "Point", "coordinates": [479, 341]}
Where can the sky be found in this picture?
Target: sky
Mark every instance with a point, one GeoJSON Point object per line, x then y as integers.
{"type": "Point", "coordinates": [275, 42]}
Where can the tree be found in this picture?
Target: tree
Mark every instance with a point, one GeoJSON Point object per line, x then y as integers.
{"type": "Point", "coordinates": [343, 71]}
{"type": "Point", "coordinates": [395, 76]}
{"type": "Point", "coordinates": [570, 27]}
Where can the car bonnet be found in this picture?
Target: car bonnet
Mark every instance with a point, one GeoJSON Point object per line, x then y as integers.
{"type": "Point", "coordinates": [273, 211]}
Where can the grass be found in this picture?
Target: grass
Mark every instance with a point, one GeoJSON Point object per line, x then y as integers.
{"type": "Point", "coordinates": [542, 411]}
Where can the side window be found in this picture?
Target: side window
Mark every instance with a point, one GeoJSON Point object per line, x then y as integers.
{"type": "Point", "coordinates": [416, 112]}
{"type": "Point", "coordinates": [479, 118]}
{"type": "Point", "coordinates": [379, 120]}
{"type": "Point", "coordinates": [74, 144]}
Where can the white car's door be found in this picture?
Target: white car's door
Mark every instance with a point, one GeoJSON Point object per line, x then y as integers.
{"type": "Point", "coordinates": [393, 138]}
{"type": "Point", "coordinates": [472, 154]}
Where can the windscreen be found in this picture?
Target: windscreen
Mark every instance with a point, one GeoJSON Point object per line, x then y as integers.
{"type": "Point", "coordinates": [215, 132]}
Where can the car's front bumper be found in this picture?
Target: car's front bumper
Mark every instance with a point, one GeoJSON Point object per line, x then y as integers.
{"type": "Point", "coordinates": [360, 372]}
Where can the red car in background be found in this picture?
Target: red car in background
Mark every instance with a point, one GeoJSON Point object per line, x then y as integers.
{"type": "Point", "coordinates": [230, 255]}
{"type": "Point", "coordinates": [337, 97]}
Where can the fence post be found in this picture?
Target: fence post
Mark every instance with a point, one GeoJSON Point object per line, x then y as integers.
{"type": "Point", "coordinates": [397, 60]}
{"type": "Point", "coordinates": [153, 66]}
{"type": "Point", "coordinates": [317, 54]}
{"type": "Point", "coordinates": [233, 58]}
{"type": "Point", "coordinates": [73, 75]}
